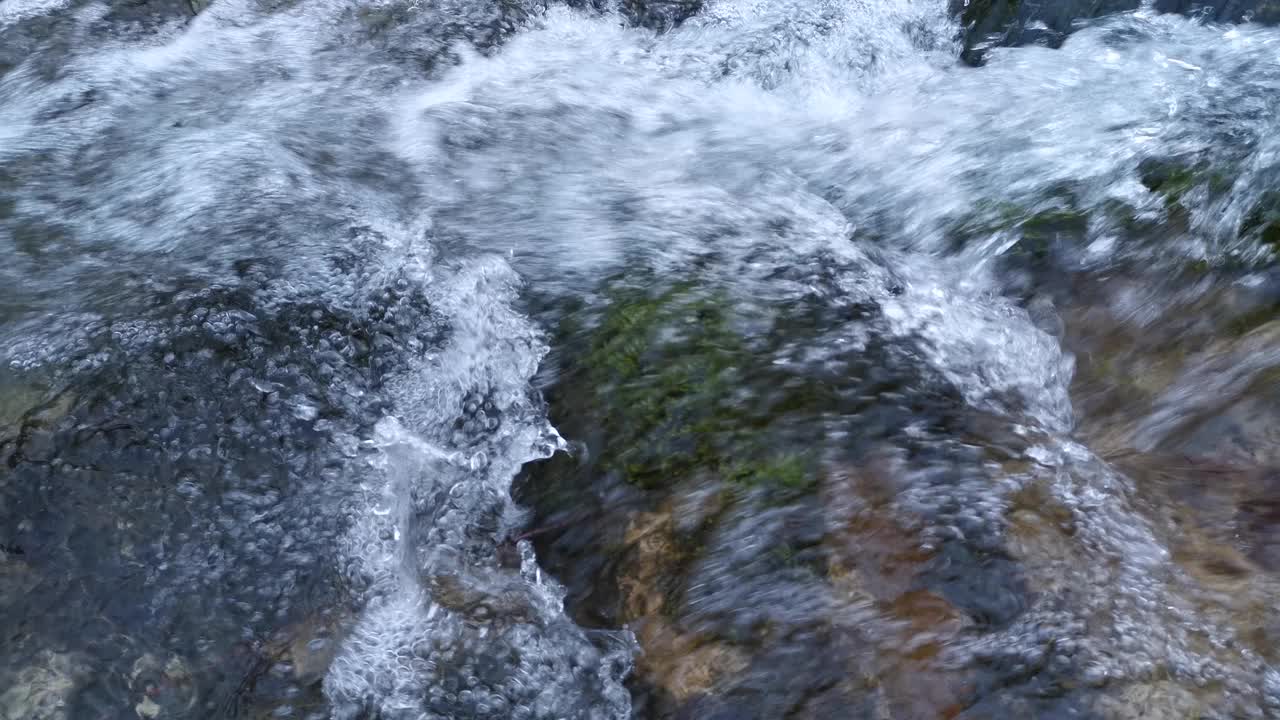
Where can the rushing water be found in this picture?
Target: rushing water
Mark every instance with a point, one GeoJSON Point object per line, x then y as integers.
{"type": "Point", "coordinates": [269, 363]}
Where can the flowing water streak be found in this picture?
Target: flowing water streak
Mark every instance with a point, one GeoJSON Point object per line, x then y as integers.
{"type": "Point", "coordinates": [446, 630]}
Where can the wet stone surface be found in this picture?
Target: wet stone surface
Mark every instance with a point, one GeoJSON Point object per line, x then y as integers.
{"type": "Point", "coordinates": [994, 23]}
{"type": "Point", "coordinates": [731, 578]}
{"type": "Point", "coordinates": [174, 476]}
{"type": "Point", "coordinates": [991, 23]}
{"type": "Point", "coordinates": [759, 588]}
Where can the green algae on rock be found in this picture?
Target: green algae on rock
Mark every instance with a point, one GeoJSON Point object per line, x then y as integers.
{"type": "Point", "coordinates": [1263, 221]}
{"type": "Point", "coordinates": [672, 380]}
{"type": "Point", "coordinates": [708, 428]}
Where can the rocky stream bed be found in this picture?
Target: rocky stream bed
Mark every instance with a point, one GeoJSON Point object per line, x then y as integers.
{"type": "Point", "coordinates": [699, 359]}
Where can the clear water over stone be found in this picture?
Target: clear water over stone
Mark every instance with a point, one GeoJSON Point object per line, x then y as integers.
{"type": "Point", "coordinates": [268, 366]}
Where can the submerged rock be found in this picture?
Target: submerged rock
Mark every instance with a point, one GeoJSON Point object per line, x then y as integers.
{"type": "Point", "coordinates": [1260, 11]}
{"type": "Point", "coordinates": [896, 553]}
{"type": "Point", "coordinates": [717, 511]}
{"type": "Point", "coordinates": [990, 23]}
{"type": "Point", "coordinates": [1193, 376]}
{"type": "Point", "coordinates": [44, 689]}
{"type": "Point", "coordinates": [994, 23]}
{"type": "Point", "coordinates": [1263, 220]}
{"type": "Point", "coordinates": [660, 15]}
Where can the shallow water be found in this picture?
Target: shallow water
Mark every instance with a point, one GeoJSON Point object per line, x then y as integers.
{"type": "Point", "coordinates": [285, 304]}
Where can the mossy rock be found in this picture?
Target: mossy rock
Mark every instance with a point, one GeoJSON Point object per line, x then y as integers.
{"type": "Point", "coordinates": [678, 388]}
{"type": "Point", "coordinates": [1168, 177]}
{"type": "Point", "coordinates": [1173, 178]}
{"type": "Point", "coordinates": [1253, 319]}
{"type": "Point", "coordinates": [1263, 220]}
{"type": "Point", "coordinates": [1046, 226]}
{"type": "Point", "coordinates": [1037, 232]}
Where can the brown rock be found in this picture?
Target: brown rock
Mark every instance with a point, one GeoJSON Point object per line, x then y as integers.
{"type": "Point", "coordinates": [652, 555]}
{"type": "Point", "coordinates": [682, 664]}
{"type": "Point", "coordinates": [877, 565]}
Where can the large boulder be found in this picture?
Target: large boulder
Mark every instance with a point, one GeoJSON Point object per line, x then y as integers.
{"type": "Point", "coordinates": [716, 508]}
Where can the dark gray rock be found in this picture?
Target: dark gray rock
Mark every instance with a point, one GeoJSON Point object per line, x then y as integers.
{"type": "Point", "coordinates": [660, 14]}
{"type": "Point", "coordinates": [994, 23]}
{"type": "Point", "coordinates": [1261, 11]}
{"type": "Point", "coordinates": [657, 15]}
{"type": "Point", "coordinates": [991, 23]}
